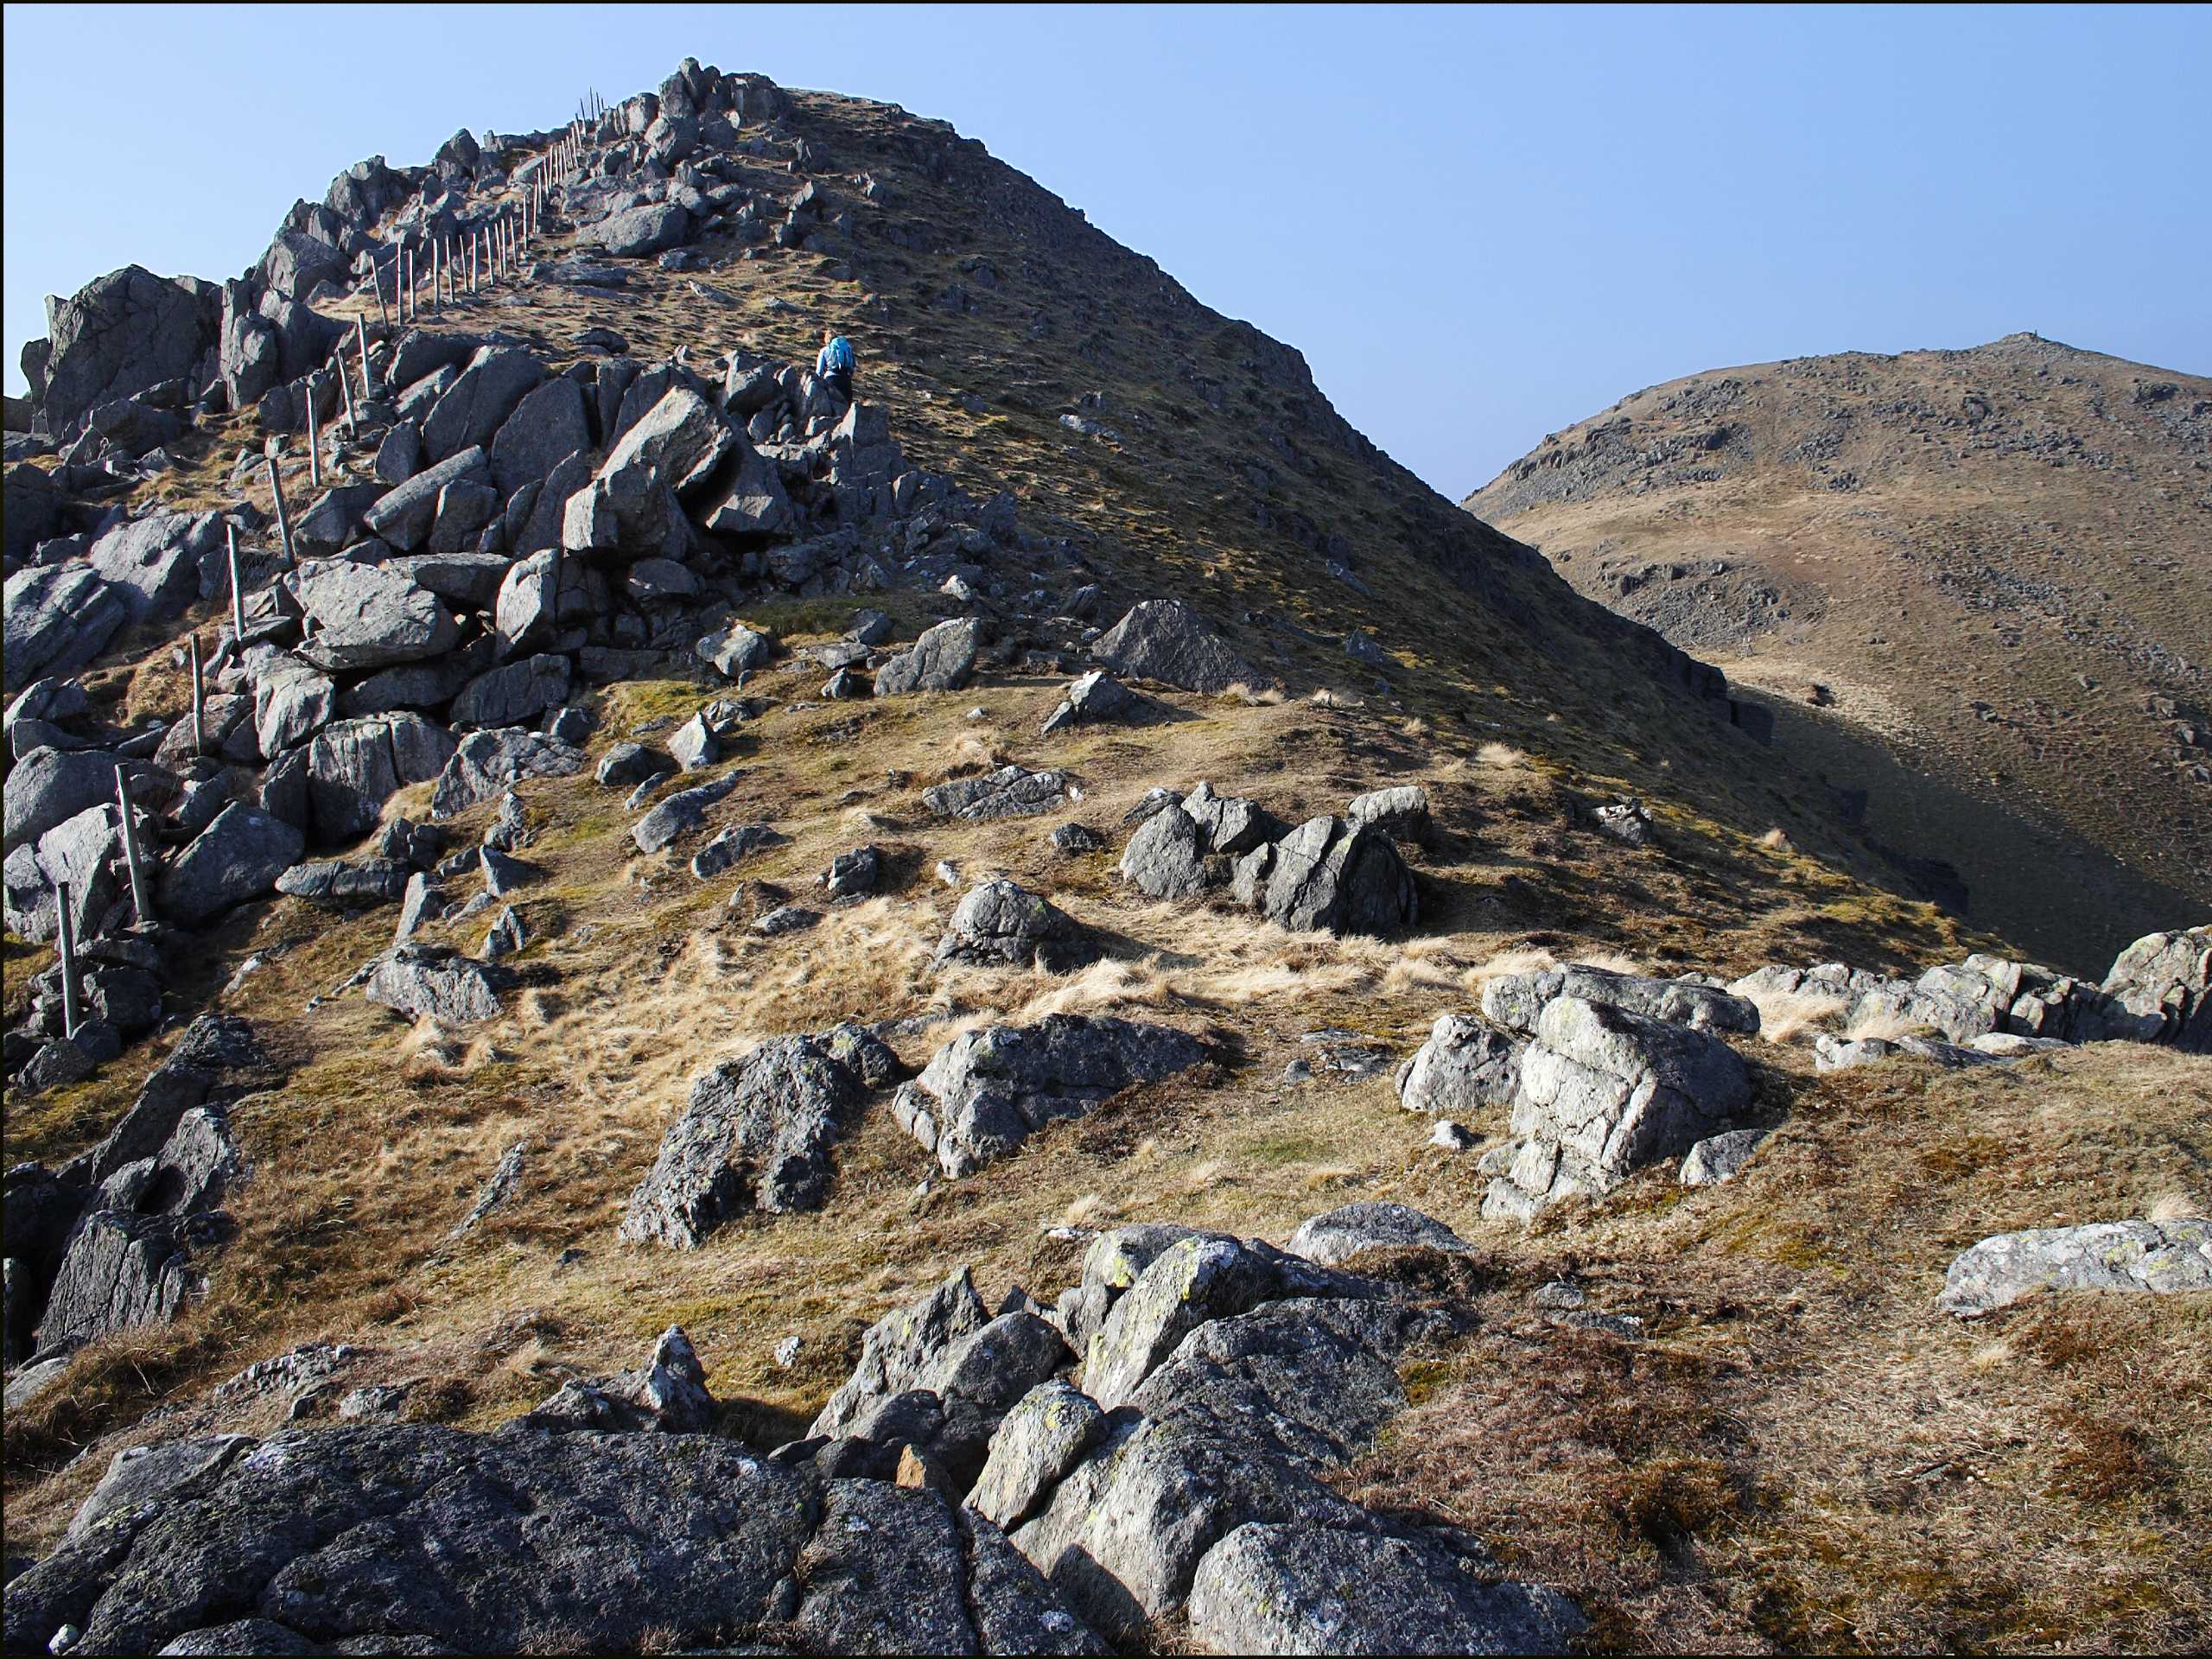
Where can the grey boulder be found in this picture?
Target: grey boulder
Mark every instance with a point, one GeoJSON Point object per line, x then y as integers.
{"type": "Point", "coordinates": [1342, 1233]}
{"type": "Point", "coordinates": [1328, 875]}
{"type": "Point", "coordinates": [2164, 1257]}
{"type": "Point", "coordinates": [941, 659]}
{"type": "Point", "coordinates": [999, 923]}
{"type": "Point", "coordinates": [365, 616]}
{"type": "Point", "coordinates": [1163, 640]}
{"type": "Point", "coordinates": [986, 1092]}
{"type": "Point", "coordinates": [235, 860]}
{"type": "Point", "coordinates": [1516, 1001]}
{"type": "Point", "coordinates": [1466, 1064]}
{"type": "Point", "coordinates": [428, 982]}
{"type": "Point", "coordinates": [1311, 1589]}
{"type": "Point", "coordinates": [1603, 1092]}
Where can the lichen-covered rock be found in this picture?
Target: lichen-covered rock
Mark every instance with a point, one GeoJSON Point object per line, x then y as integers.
{"type": "Point", "coordinates": [1044, 1435]}
{"type": "Point", "coordinates": [986, 1092]}
{"type": "Point", "coordinates": [1603, 1092]}
{"type": "Point", "coordinates": [903, 1347]}
{"type": "Point", "coordinates": [1340, 1234]}
{"type": "Point", "coordinates": [999, 923]}
{"type": "Point", "coordinates": [1328, 875]}
{"type": "Point", "coordinates": [756, 1135]}
{"type": "Point", "coordinates": [1516, 1001]}
{"type": "Point", "coordinates": [2168, 976]}
{"type": "Point", "coordinates": [1465, 1065]}
{"type": "Point", "coordinates": [2165, 1257]}
{"type": "Point", "coordinates": [1307, 1589]}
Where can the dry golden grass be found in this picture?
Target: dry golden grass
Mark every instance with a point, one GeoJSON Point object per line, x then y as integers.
{"type": "Point", "coordinates": [1790, 1017]}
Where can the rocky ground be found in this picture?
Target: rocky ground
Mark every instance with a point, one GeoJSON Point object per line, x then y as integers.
{"type": "Point", "coordinates": [939, 1024]}
{"type": "Point", "coordinates": [1970, 584]}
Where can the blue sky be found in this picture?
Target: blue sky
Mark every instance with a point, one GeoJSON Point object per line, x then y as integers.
{"type": "Point", "coordinates": [1479, 225]}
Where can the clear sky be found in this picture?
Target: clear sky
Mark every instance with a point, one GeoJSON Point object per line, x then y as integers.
{"type": "Point", "coordinates": [1479, 225]}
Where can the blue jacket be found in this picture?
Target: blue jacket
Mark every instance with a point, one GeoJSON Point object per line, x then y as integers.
{"type": "Point", "coordinates": [836, 357]}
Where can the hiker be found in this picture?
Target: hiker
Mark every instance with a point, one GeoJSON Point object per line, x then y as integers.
{"type": "Point", "coordinates": [834, 364]}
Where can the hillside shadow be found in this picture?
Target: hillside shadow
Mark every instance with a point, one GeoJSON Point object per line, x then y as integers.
{"type": "Point", "coordinates": [2065, 902]}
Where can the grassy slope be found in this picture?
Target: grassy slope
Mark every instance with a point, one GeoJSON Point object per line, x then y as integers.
{"type": "Point", "coordinates": [1774, 1301]}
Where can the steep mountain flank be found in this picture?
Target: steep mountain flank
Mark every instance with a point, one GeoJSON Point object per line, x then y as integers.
{"type": "Point", "coordinates": [1995, 563]}
{"type": "Point", "coordinates": [1035, 1006]}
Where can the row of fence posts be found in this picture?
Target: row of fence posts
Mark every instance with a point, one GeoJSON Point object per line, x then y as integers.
{"type": "Point", "coordinates": [489, 249]}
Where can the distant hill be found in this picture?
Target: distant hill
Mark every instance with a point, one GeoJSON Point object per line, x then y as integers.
{"type": "Point", "coordinates": [1998, 562]}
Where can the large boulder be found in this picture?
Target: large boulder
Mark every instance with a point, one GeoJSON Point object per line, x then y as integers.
{"type": "Point", "coordinates": [547, 426]}
{"type": "Point", "coordinates": [122, 334]}
{"type": "Point", "coordinates": [1163, 640]}
{"type": "Point", "coordinates": [405, 515]}
{"type": "Point", "coordinates": [1166, 857]}
{"type": "Point", "coordinates": [754, 504]}
{"type": "Point", "coordinates": [366, 616]}
{"type": "Point", "coordinates": [292, 698]}
{"type": "Point", "coordinates": [986, 1092]}
{"type": "Point", "coordinates": [1466, 1066]}
{"type": "Point", "coordinates": [154, 562]}
{"type": "Point", "coordinates": [683, 439]}
{"type": "Point", "coordinates": [428, 982]}
{"type": "Point", "coordinates": [296, 264]}
{"type": "Point", "coordinates": [514, 692]}
{"type": "Point", "coordinates": [626, 515]}
{"type": "Point", "coordinates": [1230, 824]}
{"type": "Point", "coordinates": [479, 401]}
{"type": "Point", "coordinates": [122, 1271]}
{"type": "Point", "coordinates": [431, 1540]}
{"type": "Point", "coordinates": [86, 853]}
{"type": "Point", "coordinates": [999, 923]}
{"type": "Point", "coordinates": [1603, 1092]}
{"type": "Point", "coordinates": [756, 1135]}
{"type": "Point", "coordinates": [353, 766]}
{"type": "Point", "coordinates": [1259, 1374]}
{"type": "Point", "coordinates": [487, 764]}
{"type": "Point", "coordinates": [50, 786]}
{"type": "Point", "coordinates": [1329, 874]}
{"type": "Point", "coordinates": [235, 860]}
{"type": "Point", "coordinates": [904, 1350]}
{"type": "Point", "coordinates": [2123, 1256]}
{"type": "Point", "coordinates": [1340, 1234]}
{"type": "Point", "coordinates": [1306, 1588]}
{"type": "Point", "coordinates": [2168, 976]}
{"type": "Point", "coordinates": [634, 233]}
{"type": "Point", "coordinates": [940, 660]}
{"type": "Point", "coordinates": [60, 617]}
{"type": "Point", "coordinates": [1516, 1001]}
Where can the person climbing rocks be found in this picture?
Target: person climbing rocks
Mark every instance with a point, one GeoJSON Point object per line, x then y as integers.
{"type": "Point", "coordinates": [834, 364]}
